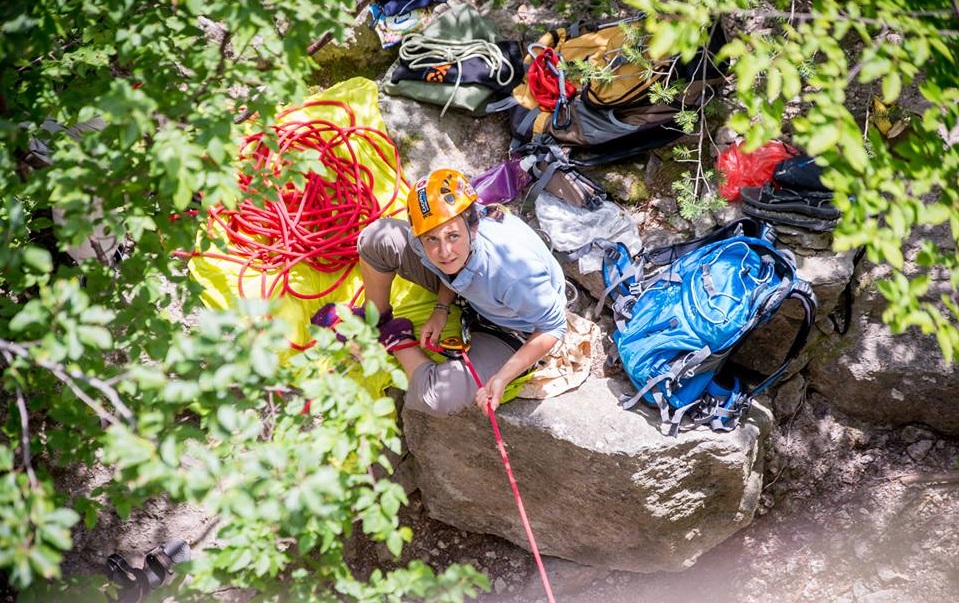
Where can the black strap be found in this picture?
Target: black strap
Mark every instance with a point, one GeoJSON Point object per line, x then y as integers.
{"type": "Point", "coordinates": [472, 322]}
{"type": "Point", "coordinates": [132, 583]}
{"type": "Point", "coordinates": [841, 323]}
{"type": "Point", "coordinates": [803, 293]}
{"type": "Point", "coordinates": [749, 227]}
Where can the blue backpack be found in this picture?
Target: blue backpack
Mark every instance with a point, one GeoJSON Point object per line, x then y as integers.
{"type": "Point", "coordinates": [682, 310]}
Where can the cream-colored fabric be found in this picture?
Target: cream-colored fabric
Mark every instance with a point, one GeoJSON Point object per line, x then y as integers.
{"type": "Point", "coordinates": [568, 364]}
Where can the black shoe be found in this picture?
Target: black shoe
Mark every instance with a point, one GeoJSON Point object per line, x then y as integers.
{"type": "Point", "coordinates": [800, 172]}
{"type": "Point", "coordinates": [791, 219]}
{"type": "Point", "coordinates": [816, 204]}
{"type": "Point", "coordinates": [134, 584]}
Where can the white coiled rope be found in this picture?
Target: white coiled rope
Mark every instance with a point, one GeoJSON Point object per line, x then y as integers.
{"type": "Point", "coordinates": [424, 52]}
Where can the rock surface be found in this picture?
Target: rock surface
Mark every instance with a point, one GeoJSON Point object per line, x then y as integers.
{"type": "Point", "coordinates": [601, 485]}
{"type": "Point", "coordinates": [888, 379]}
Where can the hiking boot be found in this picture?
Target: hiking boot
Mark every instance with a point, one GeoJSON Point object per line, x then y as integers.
{"type": "Point", "coordinates": [397, 334]}
{"type": "Point", "coordinates": [816, 204]}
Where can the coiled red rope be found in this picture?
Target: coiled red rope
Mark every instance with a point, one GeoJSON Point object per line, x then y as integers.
{"type": "Point", "coordinates": [316, 224]}
{"type": "Point", "coordinates": [546, 82]}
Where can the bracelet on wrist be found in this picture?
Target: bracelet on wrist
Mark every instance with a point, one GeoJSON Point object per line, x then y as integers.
{"type": "Point", "coordinates": [443, 307]}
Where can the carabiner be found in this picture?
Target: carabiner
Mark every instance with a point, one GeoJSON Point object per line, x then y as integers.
{"type": "Point", "coordinates": [562, 115]}
{"type": "Point", "coordinates": [467, 316]}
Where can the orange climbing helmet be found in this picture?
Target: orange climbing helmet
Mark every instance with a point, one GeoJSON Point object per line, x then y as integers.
{"type": "Point", "coordinates": [438, 198]}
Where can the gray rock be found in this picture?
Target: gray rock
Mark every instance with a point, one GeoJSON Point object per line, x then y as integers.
{"type": "Point", "coordinates": [601, 486]}
{"type": "Point", "coordinates": [919, 450]}
{"type": "Point", "coordinates": [884, 378]}
{"type": "Point", "coordinates": [789, 397]}
{"type": "Point", "coordinates": [565, 577]}
{"type": "Point", "coordinates": [884, 596]}
{"type": "Point", "coordinates": [911, 434]}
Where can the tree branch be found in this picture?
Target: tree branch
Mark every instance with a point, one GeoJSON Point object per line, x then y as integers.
{"type": "Point", "coordinates": [930, 478]}
{"type": "Point", "coordinates": [876, 43]}
{"type": "Point", "coordinates": [794, 16]}
{"type": "Point", "coordinates": [325, 38]}
{"type": "Point", "coordinates": [70, 377]}
{"type": "Point", "coordinates": [25, 438]}
{"type": "Point", "coordinates": [24, 430]}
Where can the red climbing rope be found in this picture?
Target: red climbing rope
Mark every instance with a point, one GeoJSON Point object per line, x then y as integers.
{"type": "Point", "coordinates": [460, 353]}
{"type": "Point", "coordinates": [316, 224]}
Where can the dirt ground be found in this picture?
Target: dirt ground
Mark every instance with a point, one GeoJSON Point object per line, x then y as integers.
{"type": "Point", "coordinates": [850, 513]}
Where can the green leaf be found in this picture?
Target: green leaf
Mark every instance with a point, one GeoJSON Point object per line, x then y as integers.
{"type": "Point", "coordinates": [33, 313]}
{"type": "Point", "coordinates": [774, 84]}
{"type": "Point", "coordinates": [874, 69]}
{"type": "Point", "coordinates": [394, 542]}
{"type": "Point", "coordinates": [663, 43]}
{"type": "Point", "coordinates": [242, 561]}
{"type": "Point", "coordinates": [265, 362]}
{"type": "Point", "coordinates": [38, 258]}
{"type": "Point", "coordinates": [95, 336]}
{"type": "Point", "coordinates": [45, 562]}
{"type": "Point", "coordinates": [891, 87]}
{"type": "Point", "coordinates": [6, 458]}
{"type": "Point", "coordinates": [824, 137]}
{"type": "Point", "coordinates": [56, 536]}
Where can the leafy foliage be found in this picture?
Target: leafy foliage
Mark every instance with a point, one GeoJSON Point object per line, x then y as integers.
{"type": "Point", "coordinates": [887, 189]}
{"type": "Point", "coordinates": [115, 117]}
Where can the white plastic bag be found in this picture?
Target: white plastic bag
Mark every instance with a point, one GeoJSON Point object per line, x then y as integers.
{"type": "Point", "coordinates": [570, 228]}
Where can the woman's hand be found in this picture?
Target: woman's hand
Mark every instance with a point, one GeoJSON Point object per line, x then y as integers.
{"type": "Point", "coordinates": [433, 327]}
{"type": "Point", "coordinates": [491, 394]}
{"type": "Point", "coordinates": [537, 345]}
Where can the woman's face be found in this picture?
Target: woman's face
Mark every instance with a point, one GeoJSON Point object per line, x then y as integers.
{"type": "Point", "coordinates": [448, 245]}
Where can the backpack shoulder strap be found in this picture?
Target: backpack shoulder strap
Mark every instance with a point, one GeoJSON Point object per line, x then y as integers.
{"type": "Point", "coordinates": [803, 293]}
{"type": "Point", "coordinates": [748, 227]}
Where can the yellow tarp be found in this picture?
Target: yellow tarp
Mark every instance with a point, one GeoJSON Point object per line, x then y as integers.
{"type": "Point", "coordinates": [221, 278]}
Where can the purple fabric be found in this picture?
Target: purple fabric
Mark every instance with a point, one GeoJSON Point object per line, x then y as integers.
{"type": "Point", "coordinates": [395, 332]}
{"type": "Point", "coordinates": [326, 317]}
{"type": "Point", "coordinates": [501, 183]}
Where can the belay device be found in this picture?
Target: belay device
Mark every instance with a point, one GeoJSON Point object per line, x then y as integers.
{"type": "Point", "coordinates": [682, 310]}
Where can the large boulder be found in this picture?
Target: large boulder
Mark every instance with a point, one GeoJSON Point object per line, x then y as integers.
{"type": "Point", "coordinates": [601, 486]}
{"type": "Point", "coordinates": [887, 378]}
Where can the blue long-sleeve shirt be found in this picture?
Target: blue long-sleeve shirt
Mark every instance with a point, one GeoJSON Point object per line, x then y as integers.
{"type": "Point", "coordinates": [510, 278]}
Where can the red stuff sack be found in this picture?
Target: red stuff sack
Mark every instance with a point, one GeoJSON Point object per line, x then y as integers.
{"type": "Point", "coordinates": [739, 169]}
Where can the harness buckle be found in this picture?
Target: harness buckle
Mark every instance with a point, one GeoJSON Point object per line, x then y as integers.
{"type": "Point", "coordinates": [453, 347]}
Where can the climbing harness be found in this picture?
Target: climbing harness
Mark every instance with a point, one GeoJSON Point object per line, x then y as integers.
{"type": "Point", "coordinates": [318, 223]}
{"type": "Point", "coordinates": [423, 52]}
{"type": "Point", "coordinates": [456, 348]}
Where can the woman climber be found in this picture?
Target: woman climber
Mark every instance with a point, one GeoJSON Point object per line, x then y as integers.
{"type": "Point", "coordinates": [493, 261]}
